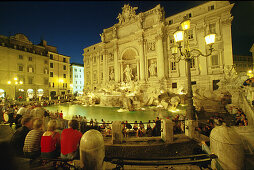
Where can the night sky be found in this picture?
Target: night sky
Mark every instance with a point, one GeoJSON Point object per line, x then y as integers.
{"type": "Point", "coordinates": [73, 26]}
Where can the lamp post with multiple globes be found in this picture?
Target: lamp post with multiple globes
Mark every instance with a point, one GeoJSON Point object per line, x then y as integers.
{"type": "Point", "coordinates": [188, 54]}
{"type": "Point", "coordinates": [15, 83]}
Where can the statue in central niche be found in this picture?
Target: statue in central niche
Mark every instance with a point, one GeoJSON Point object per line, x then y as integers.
{"type": "Point", "coordinates": [128, 73]}
{"type": "Point", "coordinates": [152, 69]}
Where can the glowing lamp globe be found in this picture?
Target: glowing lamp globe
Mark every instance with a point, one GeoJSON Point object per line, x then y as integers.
{"type": "Point", "coordinates": [178, 36]}
{"type": "Point", "coordinates": [210, 39]}
{"type": "Point", "coordinates": [9, 82]}
{"type": "Point", "coordinates": [185, 24]}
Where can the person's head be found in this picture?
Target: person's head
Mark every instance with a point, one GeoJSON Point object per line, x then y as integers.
{"type": "Point", "coordinates": [37, 124]}
{"type": "Point", "coordinates": [73, 124]}
{"type": "Point", "coordinates": [52, 125]}
{"type": "Point", "coordinates": [27, 121]}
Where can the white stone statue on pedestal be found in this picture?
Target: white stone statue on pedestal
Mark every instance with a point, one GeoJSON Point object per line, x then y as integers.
{"type": "Point", "coordinates": [128, 73]}
{"type": "Point", "coordinates": [102, 37]}
{"type": "Point", "coordinates": [112, 74]}
{"type": "Point", "coordinates": [152, 69]}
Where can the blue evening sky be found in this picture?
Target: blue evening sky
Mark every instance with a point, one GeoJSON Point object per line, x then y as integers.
{"type": "Point", "coordinates": [72, 26]}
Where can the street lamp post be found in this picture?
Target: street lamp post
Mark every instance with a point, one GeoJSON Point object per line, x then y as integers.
{"type": "Point", "coordinates": [188, 54]}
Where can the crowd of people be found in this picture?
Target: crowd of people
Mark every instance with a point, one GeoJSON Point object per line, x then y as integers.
{"type": "Point", "coordinates": [31, 141]}
{"type": "Point", "coordinates": [61, 137]}
{"type": "Point", "coordinates": [239, 119]}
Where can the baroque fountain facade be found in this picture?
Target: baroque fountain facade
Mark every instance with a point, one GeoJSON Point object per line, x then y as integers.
{"type": "Point", "coordinates": [132, 66]}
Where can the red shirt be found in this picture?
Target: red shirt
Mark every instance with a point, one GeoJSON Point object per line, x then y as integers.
{"type": "Point", "coordinates": [61, 115]}
{"type": "Point", "coordinates": [70, 139]}
{"type": "Point", "coordinates": [49, 143]}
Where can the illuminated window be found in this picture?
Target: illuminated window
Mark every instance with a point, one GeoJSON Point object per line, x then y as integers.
{"type": "Point", "coordinates": [30, 69]}
{"type": "Point", "coordinates": [51, 74]}
{"type": "Point", "coordinates": [51, 65]}
{"type": "Point", "coordinates": [30, 58]}
{"type": "Point", "coordinates": [51, 56]}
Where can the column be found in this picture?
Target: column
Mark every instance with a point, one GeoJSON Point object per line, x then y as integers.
{"type": "Point", "coordinates": [160, 58]}
{"type": "Point", "coordinates": [91, 72]}
{"type": "Point", "coordinates": [141, 59]}
{"type": "Point", "coordinates": [121, 72]}
{"type": "Point", "coordinates": [200, 33]}
{"type": "Point", "coordinates": [98, 62]}
{"type": "Point", "coordinates": [116, 68]}
{"type": "Point", "coordinates": [138, 70]}
{"type": "Point", "coordinates": [104, 67]}
{"type": "Point", "coordinates": [227, 41]}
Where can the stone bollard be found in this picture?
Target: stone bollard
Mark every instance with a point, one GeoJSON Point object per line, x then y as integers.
{"type": "Point", "coordinates": [190, 126]}
{"type": "Point", "coordinates": [227, 145]}
{"type": "Point", "coordinates": [167, 133]}
{"type": "Point", "coordinates": [117, 135]}
{"type": "Point", "coordinates": [92, 151]}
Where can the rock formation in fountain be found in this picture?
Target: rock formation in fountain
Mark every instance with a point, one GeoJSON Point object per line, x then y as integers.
{"type": "Point", "coordinates": [229, 88]}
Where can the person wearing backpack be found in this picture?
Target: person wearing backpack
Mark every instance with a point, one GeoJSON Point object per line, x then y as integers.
{"type": "Point", "coordinates": [50, 141]}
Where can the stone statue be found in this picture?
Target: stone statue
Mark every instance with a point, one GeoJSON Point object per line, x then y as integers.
{"type": "Point", "coordinates": [128, 73]}
{"type": "Point", "coordinates": [128, 13]}
{"type": "Point", "coordinates": [152, 69]}
{"type": "Point", "coordinates": [120, 18]}
{"type": "Point", "coordinates": [102, 37]}
{"type": "Point", "coordinates": [112, 74]}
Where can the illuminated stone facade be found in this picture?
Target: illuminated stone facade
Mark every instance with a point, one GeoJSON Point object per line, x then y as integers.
{"type": "Point", "coordinates": [29, 63]}
{"type": "Point", "coordinates": [77, 78]}
{"type": "Point", "coordinates": [138, 48]}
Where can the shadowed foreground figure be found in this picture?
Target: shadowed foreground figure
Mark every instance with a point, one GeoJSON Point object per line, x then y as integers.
{"type": "Point", "coordinates": [18, 139]}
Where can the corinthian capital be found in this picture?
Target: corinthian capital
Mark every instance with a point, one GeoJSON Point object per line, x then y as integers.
{"type": "Point", "coordinates": [159, 37]}
{"type": "Point", "coordinates": [227, 21]}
